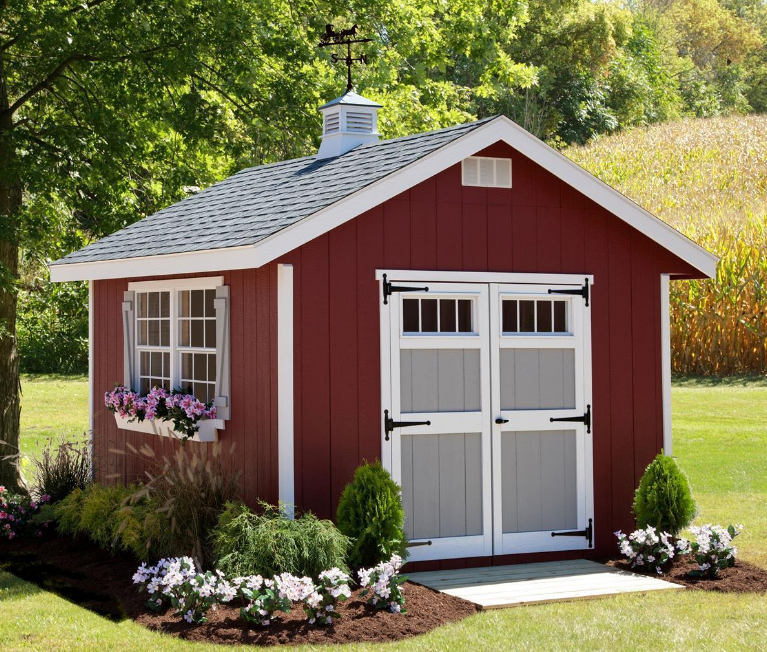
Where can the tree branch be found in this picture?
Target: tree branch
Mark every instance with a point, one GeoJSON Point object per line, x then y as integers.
{"type": "Point", "coordinates": [72, 58]}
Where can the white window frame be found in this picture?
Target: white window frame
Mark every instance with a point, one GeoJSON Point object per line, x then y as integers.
{"type": "Point", "coordinates": [175, 349]}
{"type": "Point", "coordinates": [476, 160]}
{"type": "Point", "coordinates": [221, 399]}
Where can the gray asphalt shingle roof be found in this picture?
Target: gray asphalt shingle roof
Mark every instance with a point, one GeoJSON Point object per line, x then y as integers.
{"type": "Point", "coordinates": [260, 201]}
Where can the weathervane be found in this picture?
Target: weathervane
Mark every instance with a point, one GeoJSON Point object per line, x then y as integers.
{"type": "Point", "coordinates": [344, 37]}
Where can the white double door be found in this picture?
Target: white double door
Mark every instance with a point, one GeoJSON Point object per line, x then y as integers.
{"type": "Point", "coordinates": [477, 372]}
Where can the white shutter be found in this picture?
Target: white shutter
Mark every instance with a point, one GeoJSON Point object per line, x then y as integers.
{"type": "Point", "coordinates": [222, 400]}
{"type": "Point", "coordinates": [129, 339]}
{"type": "Point", "coordinates": [470, 173]}
{"type": "Point", "coordinates": [503, 173]}
{"type": "Point", "coordinates": [486, 172]}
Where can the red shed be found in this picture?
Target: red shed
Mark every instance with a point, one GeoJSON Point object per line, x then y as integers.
{"type": "Point", "coordinates": [467, 305]}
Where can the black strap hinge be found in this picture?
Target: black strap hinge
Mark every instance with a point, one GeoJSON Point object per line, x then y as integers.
{"type": "Point", "coordinates": [585, 419]}
{"type": "Point", "coordinates": [389, 289]}
{"type": "Point", "coordinates": [588, 533]}
{"type": "Point", "coordinates": [390, 424]}
{"type": "Point", "coordinates": [583, 292]}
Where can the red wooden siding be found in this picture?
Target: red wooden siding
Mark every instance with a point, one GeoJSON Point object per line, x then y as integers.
{"type": "Point", "coordinates": [249, 445]}
{"type": "Point", "coordinates": [540, 225]}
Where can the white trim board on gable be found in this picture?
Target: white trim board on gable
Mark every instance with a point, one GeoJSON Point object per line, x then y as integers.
{"type": "Point", "coordinates": [355, 204]}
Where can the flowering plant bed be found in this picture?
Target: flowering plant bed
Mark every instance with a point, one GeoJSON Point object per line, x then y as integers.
{"type": "Point", "coordinates": [160, 412]}
{"type": "Point", "coordinates": [94, 579]}
{"type": "Point", "coordinates": [17, 513]}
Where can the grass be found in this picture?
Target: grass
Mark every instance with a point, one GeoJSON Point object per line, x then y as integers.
{"type": "Point", "coordinates": [707, 178]}
{"type": "Point", "coordinates": [720, 439]}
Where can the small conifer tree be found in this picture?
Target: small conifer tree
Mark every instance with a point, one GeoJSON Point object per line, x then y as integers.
{"type": "Point", "coordinates": [664, 499]}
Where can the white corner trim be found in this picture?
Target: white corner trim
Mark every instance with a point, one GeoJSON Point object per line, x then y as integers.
{"type": "Point", "coordinates": [201, 283]}
{"type": "Point", "coordinates": [313, 226]}
{"type": "Point", "coordinates": [91, 368]}
{"type": "Point", "coordinates": [285, 417]}
{"type": "Point", "coordinates": [665, 357]}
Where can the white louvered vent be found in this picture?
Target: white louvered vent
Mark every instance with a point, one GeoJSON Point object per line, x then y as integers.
{"type": "Point", "coordinates": [332, 123]}
{"type": "Point", "coordinates": [359, 122]}
{"type": "Point", "coordinates": [486, 172]}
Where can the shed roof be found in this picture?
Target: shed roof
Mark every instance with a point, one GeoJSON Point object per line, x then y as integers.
{"type": "Point", "coordinates": [257, 202]}
{"type": "Point", "coordinates": [261, 213]}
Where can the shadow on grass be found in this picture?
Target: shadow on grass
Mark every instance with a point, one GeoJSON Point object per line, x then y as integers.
{"type": "Point", "coordinates": [42, 575]}
{"type": "Point", "coordinates": [719, 381]}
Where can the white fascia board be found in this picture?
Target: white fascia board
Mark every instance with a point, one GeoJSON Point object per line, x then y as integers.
{"type": "Point", "coordinates": [211, 260]}
{"type": "Point", "coordinates": [426, 276]}
{"type": "Point", "coordinates": [309, 228]}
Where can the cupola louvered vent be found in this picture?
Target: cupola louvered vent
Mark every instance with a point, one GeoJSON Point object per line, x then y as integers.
{"type": "Point", "coordinates": [359, 122]}
{"type": "Point", "coordinates": [486, 172]}
{"type": "Point", "coordinates": [332, 122]}
{"type": "Point", "coordinates": [349, 121]}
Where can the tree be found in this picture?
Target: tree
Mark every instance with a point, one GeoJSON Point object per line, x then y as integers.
{"type": "Point", "coordinates": [107, 109]}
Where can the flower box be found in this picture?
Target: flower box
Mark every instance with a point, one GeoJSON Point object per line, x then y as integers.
{"type": "Point", "coordinates": [208, 428]}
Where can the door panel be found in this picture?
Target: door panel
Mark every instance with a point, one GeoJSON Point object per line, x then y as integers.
{"type": "Point", "coordinates": [484, 368]}
{"type": "Point", "coordinates": [541, 468]}
{"type": "Point", "coordinates": [440, 373]}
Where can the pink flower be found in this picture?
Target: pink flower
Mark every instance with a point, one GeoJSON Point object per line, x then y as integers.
{"type": "Point", "coordinates": [2, 489]}
{"type": "Point", "coordinates": [11, 534]}
{"type": "Point", "coordinates": [2, 516]}
{"type": "Point", "coordinates": [44, 498]}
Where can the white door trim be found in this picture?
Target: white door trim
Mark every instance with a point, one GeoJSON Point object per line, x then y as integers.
{"type": "Point", "coordinates": [390, 344]}
{"type": "Point", "coordinates": [665, 361]}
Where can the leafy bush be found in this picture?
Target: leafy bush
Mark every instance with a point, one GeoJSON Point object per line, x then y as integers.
{"type": "Point", "coordinates": [712, 549]}
{"type": "Point", "coordinates": [67, 513]}
{"type": "Point", "coordinates": [185, 499]}
{"type": "Point", "coordinates": [370, 513]}
{"type": "Point", "coordinates": [61, 470]}
{"type": "Point", "coordinates": [663, 499]}
{"type": "Point", "coordinates": [646, 548]}
{"type": "Point", "coordinates": [383, 584]}
{"type": "Point", "coordinates": [144, 529]}
{"type": "Point", "coordinates": [17, 515]}
{"type": "Point", "coordinates": [269, 543]}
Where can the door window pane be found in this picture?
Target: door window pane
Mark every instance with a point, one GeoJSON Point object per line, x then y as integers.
{"type": "Point", "coordinates": [560, 317]}
{"type": "Point", "coordinates": [447, 316]}
{"type": "Point", "coordinates": [410, 321]}
{"type": "Point", "coordinates": [428, 315]}
{"type": "Point", "coordinates": [464, 316]}
{"type": "Point", "coordinates": [509, 316]}
{"type": "Point", "coordinates": [544, 309]}
{"type": "Point", "coordinates": [527, 316]}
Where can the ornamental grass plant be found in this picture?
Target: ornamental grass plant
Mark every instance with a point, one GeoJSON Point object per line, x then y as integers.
{"type": "Point", "coordinates": [268, 543]}
{"type": "Point", "coordinates": [61, 468]}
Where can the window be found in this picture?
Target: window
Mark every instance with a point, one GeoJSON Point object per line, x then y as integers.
{"type": "Point", "coordinates": [534, 316]}
{"type": "Point", "coordinates": [438, 315]}
{"type": "Point", "coordinates": [177, 327]}
{"type": "Point", "coordinates": [486, 172]}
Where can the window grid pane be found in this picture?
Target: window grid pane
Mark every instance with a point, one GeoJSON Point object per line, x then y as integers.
{"type": "Point", "coordinates": [543, 316]}
{"type": "Point", "coordinates": [437, 316]}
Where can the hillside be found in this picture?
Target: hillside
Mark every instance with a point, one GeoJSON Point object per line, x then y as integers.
{"type": "Point", "coordinates": [708, 178]}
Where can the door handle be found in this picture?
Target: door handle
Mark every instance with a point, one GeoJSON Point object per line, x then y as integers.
{"type": "Point", "coordinates": [500, 421]}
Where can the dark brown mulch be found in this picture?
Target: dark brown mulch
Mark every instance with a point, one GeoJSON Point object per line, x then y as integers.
{"type": "Point", "coordinates": [91, 578]}
{"type": "Point", "coordinates": [741, 578]}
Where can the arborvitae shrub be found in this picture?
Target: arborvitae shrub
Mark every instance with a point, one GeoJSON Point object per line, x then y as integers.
{"type": "Point", "coordinates": [370, 513]}
{"type": "Point", "coordinates": [663, 499]}
{"type": "Point", "coordinates": [269, 543]}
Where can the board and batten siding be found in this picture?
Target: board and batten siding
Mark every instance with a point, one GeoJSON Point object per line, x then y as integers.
{"type": "Point", "coordinates": [540, 225]}
{"type": "Point", "coordinates": [249, 442]}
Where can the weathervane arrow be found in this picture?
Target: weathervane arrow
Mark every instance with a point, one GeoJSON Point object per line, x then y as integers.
{"type": "Point", "coordinates": [344, 37]}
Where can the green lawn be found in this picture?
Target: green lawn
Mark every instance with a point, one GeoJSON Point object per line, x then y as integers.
{"type": "Point", "coordinates": [720, 439]}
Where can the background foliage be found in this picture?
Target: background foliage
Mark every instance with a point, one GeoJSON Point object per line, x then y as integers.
{"type": "Point", "coordinates": [183, 93]}
{"type": "Point", "coordinates": [707, 178]}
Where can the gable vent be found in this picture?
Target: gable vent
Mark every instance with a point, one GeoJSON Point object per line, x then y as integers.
{"type": "Point", "coordinates": [332, 122]}
{"type": "Point", "coordinates": [359, 122]}
{"type": "Point", "coordinates": [486, 172]}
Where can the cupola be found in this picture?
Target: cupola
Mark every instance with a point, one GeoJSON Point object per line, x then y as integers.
{"type": "Point", "coordinates": [347, 122]}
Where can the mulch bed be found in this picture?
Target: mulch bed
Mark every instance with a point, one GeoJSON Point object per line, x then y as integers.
{"type": "Point", "coordinates": [86, 575]}
{"type": "Point", "coordinates": [741, 578]}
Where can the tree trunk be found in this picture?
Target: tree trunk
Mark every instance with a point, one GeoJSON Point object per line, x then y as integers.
{"type": "Point", "coordinates": [10, 207]}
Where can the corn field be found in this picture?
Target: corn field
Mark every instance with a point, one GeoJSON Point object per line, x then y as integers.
{"type": "Point", "coordinates": [707, 178]}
